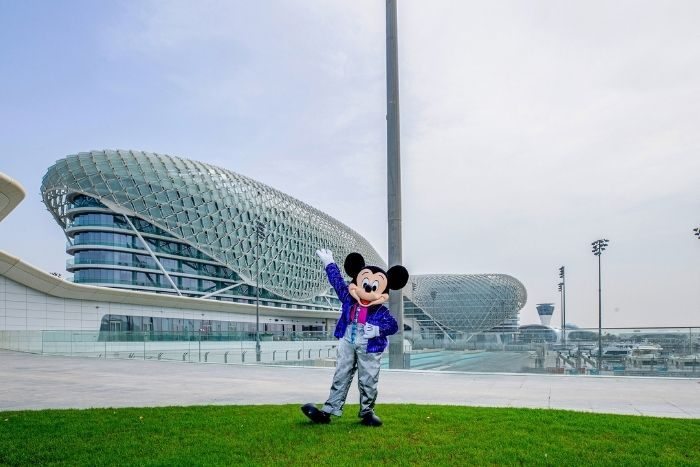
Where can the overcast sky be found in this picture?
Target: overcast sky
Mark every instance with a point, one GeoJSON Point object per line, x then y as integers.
{"type": "Point", "coordinates": [528, 129]}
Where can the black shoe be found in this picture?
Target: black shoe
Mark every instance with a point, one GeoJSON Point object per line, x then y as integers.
{"type": "Point", "coordinates": [316, 416]}
{"type": "Point", "coordinates": [371, 420]}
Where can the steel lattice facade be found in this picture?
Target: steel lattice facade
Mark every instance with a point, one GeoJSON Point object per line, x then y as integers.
{"type": "Point", "coordinates": [464, 303]}
{"type": "Point", "coordinates": [213, 210]}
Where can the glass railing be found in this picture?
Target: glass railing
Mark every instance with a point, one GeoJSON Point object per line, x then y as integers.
{"type": "Point", "coordinates": [144, 229]}
{"type": "Point", "coordinates": [231, 294]}
{"type": "Point", "coordinates": [81, 222]}
{"type": "Point", "coordinates": [101, 243]}
{"type": "Point", "coordinates": [202, 274]}
{"type": "Point", "coordinates": [72, 262]}
{"type": "Point", "coordinates": [625, 352]}
{"type": "Point", "coordinates": [137, 246]}
{"type": "Point", "coordinates": [87, 280]}
{"type": "Point", "coordinates": [164, 284]}
{"type": "Point", "coordinates": [306, 349]}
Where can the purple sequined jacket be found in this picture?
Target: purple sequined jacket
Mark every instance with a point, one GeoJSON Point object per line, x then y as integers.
{"type": "Point", "coordinates": [377, 315]}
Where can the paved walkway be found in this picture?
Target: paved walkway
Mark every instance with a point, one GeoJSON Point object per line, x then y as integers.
{"type": "Point", "coordinates": [37, 382]}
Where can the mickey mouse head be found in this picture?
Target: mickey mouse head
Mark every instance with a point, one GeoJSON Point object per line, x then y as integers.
{"type": "Point", "coordinates": [370, 284]}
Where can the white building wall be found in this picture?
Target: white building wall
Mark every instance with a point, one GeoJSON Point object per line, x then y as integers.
{"type": "Point", "coordinates": [25, 313]}
{"type": "Point", "coordinates": [25, 309]}
{"type": "Point", "coordinates": [3, 313]}
{"type": "Point", "coordinates": [545, 319]}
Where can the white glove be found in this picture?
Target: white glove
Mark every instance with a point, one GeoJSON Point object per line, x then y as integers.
{"type": "Point", "coordinates": [371, 331]}
{"type": "Point", "coordinates": [326, 256]}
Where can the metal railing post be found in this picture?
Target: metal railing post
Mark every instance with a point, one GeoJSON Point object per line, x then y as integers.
{"type": "Point", "coordinates": [690, 341]}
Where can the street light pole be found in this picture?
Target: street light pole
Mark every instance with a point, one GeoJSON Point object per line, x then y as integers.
{"type": "Point", "coordinates": [598, 248]}
{"type": "Point", "coordinates": [259, 232]}
{"type": "Point", "coordinates": [414, 286]}
{"type": "Point", "coordinates": [433, 294]}
{"type": "Point", "coordinates": [562, 275]}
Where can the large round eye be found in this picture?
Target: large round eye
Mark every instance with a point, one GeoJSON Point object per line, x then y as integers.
{"type": "Point", "coordinates": [375, 284]}
{"type": "Point", "coordinates": [365, 282]}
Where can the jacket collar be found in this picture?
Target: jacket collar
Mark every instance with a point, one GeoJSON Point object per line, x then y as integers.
{"type": "Point", "coordinates": [370, 309]}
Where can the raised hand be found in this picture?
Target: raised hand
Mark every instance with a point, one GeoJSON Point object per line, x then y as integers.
{"type": "Point", "coordinates": [326, 256]}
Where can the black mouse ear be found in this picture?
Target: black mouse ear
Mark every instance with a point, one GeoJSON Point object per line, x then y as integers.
{"type": "Point", "coordinates": [354, 263]}
{"type": "Point", "coordinates": [397, 277]}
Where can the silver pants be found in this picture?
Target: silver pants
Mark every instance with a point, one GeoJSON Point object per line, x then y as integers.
{"type": "Point", "coordinates": [353, 357]}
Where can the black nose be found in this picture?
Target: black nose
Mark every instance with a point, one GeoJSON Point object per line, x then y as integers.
{"type": "Point", "coordinates": [367, 288]}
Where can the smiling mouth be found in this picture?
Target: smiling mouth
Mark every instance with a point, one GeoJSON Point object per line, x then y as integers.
{"type": "Point", "coordinates": [364, 302]}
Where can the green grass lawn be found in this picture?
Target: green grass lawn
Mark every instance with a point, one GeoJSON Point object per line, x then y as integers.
{"type": "Point", "coordinates": [411, 435]}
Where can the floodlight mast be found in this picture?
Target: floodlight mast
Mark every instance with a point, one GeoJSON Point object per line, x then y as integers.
{"type": "Point", "coordinates": [598, 249]}
{"type": "Point", "coordinates": [562, 289]}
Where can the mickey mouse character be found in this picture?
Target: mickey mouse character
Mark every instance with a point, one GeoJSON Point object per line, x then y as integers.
{"type": "Point", "coordinates": [362, 328]}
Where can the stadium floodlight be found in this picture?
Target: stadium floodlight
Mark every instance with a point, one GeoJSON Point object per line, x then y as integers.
{"type": "Point", "coordinates": [598, 248]}
{"type": "Point", "coordinates": [697, 232]}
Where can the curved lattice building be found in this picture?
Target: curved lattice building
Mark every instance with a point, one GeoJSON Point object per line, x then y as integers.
{"type": "Point", "coordinates": [463, 303]}
{"type": "Point", "coordinates": [156, 222]}
{"type": "Point", "coordinates": [152, 222]}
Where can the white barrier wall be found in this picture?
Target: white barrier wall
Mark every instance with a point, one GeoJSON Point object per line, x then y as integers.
{"type": "Point", "coordinates": [25, 309]}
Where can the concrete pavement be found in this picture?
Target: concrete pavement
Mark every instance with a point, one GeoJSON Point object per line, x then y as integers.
{"type": "Point", "coordinates": [30, 381]}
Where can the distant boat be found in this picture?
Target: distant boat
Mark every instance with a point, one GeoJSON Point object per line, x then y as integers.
{"type": "Point", "coordinates": [628, 349]}
{"type": "Point", "coordinates": [643, 355]}
{"type": "Point", "coordinates": [618, 349]}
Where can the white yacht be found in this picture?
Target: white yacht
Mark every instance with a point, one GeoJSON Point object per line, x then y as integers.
{"type": "Point", "coordinates": [618, 349]}
{"type": "Point", "coordinates": [644, 354]}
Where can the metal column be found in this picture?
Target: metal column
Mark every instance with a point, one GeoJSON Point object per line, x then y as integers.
{"type": "Point", "coordinates": [150, 252]}
{"type": "Point", "coordinates": [600, 319]}
{"type": "Point", "coordinates": [396, 352]}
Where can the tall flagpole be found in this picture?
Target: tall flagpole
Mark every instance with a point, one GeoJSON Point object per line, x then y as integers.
{"type": "Point", "coordinates": [396, 353]}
